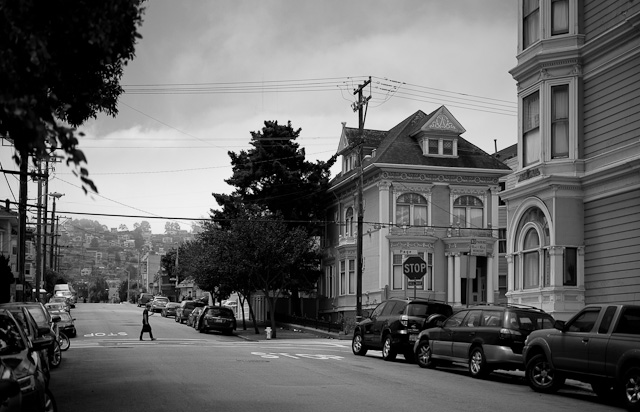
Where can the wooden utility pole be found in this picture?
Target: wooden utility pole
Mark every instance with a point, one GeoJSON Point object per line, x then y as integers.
{"type": "Point", "coordinates": [22, 223]}
{"type": "Point", "coordinates": [358, 106]}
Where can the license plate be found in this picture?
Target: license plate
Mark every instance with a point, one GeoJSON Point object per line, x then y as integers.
{"type": "Point", "coordinates": [413, 338]}
{"type": "Point", "coordinates": [219, 320]}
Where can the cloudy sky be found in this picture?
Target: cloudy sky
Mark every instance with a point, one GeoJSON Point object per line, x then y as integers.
{"type": "Point", "coordinates": [207, 73]}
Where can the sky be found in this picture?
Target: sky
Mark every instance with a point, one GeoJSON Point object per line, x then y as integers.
{"type": "Point", "coordinates": [208, 73]}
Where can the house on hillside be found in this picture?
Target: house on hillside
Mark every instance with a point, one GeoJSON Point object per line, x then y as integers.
{"type": "Point", "coordinates": [427, 191]}
{"type": "Point", "coordinates": [573, 202]}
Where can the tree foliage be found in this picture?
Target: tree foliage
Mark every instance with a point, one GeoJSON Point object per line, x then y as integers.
{"type": "Point", "coordinates": [60, 65]}
{"type": "Point", "coordinates": [274, 177]}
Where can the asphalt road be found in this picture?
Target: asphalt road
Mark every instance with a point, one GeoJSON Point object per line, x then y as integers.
{"type": "Point", "coordinates": [108, 369]}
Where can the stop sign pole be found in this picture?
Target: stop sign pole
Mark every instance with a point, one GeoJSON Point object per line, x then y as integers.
{"type": "Point", "coordinates": [414, 267]}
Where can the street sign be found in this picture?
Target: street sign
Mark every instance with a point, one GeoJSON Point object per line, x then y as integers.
{"type": "Point", "coordinates": [415, 283]}
{"type": "Point", "coordinates": [414, 267]}
{"type": "Point", "coordinates": [477, 249]}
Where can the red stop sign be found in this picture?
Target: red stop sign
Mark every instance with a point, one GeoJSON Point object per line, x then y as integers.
{"type": "Point", "coordinates": [414, 267]}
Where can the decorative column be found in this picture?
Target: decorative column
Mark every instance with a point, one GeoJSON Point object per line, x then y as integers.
{"type": "Point", "coordinates": [457, 292]}
{"type": "Point", "coordinates": [384, 251]}
{"type": "Point", "coordinates": [491, 274]}
{"type": "Point", "coordinates": [450, 281]}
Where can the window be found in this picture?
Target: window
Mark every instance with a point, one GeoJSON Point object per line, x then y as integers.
{"type": "Point", "coordinates": [378, 310]}
{"type": "Point", "coordinates": [606, 320]}
{"type": "Point", "coordinates": [397, 272]}
{"type": "Point", "coordinates": [531, 260]}
{"type": "Point", "coordinates": [629, 321]}
{"type": "Point", "coordinates": [502, 240]}
{"type": "Point", "coordinates": [447, 147]}
{"type": "Point", "coordinates": [343, 277]}
{"type": "Point", "coordinates": [468, 211]}
{"type": "Point", "coordinates": [560, 122]}
{"type": "Point", "coordinates": [328, 284]}
{"type": "Point", "coordinates": [348, 217]}
{"type": "Point", "coordinates": [411, 209]}
{"type": "Point", "coordinates": [455, 320]}
{"type": "Point", "coordinates": [570, 276]}
{"type": "Point", "coordinates": [531, 129]}
{"type": "Point", "coordinates": [559, 17]}
{"type": "Point", "coordinates": [585, 321]}
{"type": "Point", "coordinates": [473, 319]}
{"type": "Point", "coordinates": [433, 146]}
{"type": "Point", "coordinates": [352, 276]}
{"type": "Point", "coordinates": [531, 22]}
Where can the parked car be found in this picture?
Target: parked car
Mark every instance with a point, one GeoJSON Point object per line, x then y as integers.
{"type": "Point", "coordinates": [193, 316]}
{"type": "Point", "coordinates": [158, 303]}
{"type": "Point", "coordinates": [599, 345]}
{"type": "Point", "coordinates": [393, 326]}
{"type": "Point", "coordinates": [66, 325]}
{"type": "Point", "coordinates": [170, 309]}
{"type": "Point", "coordinates": [63, 300]}
{"type": "Point", "coordinates": [185, 308]}
{"type": "Point", "coordinates": [144, 298]}
{"type": "Point", "coordinates": [31, 330]}
{"type": "Point", "coordinates": [44, 321]}
{"type": "Point", "coordinates": [218, 318]}
{"type": "Point", "coordinates": [57, 307]}
{"type": "Point", "coordinates": [482, 337]}
{"type": "Point", "coordinates": [16, 351]}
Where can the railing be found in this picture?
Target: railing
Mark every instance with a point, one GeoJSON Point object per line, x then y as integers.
{"type": "Point", "coordinates": [310, 322]}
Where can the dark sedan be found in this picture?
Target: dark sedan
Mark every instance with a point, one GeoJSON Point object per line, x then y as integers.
{"type": "Point", "coordinates": [169, 309]}
{"type": "Point", "coordinates": [216, 318]}
{"type": "Point", "coordinates": [66, 324]}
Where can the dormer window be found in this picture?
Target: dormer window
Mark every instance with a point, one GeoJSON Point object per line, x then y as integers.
{"type": "Point", "coordinates": [440, 147]}
{"type": "Point", "coordinates": [348, 162]}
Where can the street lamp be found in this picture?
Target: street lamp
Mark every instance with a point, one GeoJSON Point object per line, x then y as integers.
{"type": "Point", "coordinates": [55, 196]}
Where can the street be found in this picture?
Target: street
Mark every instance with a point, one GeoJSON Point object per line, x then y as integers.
{"type": "Point", "coordinates": [107, 368]}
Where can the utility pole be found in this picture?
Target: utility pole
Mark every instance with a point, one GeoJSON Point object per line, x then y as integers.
{"type": "Point", "coordinates": [358, 106]}
{"type": "Point", "coordinates": [22, 223]}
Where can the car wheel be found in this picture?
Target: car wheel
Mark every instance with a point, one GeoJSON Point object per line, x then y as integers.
{"type": "Point", "coordinates": [388, 352]}
{"type": "Point", "coordinates": [49, 402]}
{"type": "Point", "coordinates": [357, 345]}
{"type": "Point", "coordinates": [541, 376]}
{"type": "Point", "coordinates": [631, 389]}
{"type": "Point", "coordinates": [478, 363]}
{"type": "Point", "coordinates": [55, 358]}
{"type": "Point", "coordinates": [423, 355]}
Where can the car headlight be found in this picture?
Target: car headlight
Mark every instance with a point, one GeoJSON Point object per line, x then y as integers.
{"type": "Point", "coordinates": [27, 384]}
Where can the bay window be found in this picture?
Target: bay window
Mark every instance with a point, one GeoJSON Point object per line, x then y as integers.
{"type": "Point", "coordinates": [531, 129]}
{"type": "Point", "coordinates": [560, 121]}
{"type": "Point", "coordinates": [411, 210]}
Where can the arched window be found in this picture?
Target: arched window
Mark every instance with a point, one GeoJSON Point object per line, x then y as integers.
{"type": "Point", "coordinates": [348, 217]}
{"type": "Point", "coordinates": [468, 211]}
{"type": "Point", "coordinates": [411, 210]}
{"type": "Point", "coordinates": [531, 259]}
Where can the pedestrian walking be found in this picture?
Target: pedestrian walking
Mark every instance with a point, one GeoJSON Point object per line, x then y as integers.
{"type": "Point", "coordinates": [146, 327]}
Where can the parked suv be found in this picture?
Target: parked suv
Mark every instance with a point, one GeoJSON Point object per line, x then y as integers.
{"type": "Point", "coordinates": [483, 337]}
{"type": "Point", "coordinates": [144, 299]}
{"type": "Point", "coordinates": [393, 326]}
{"type": "Point", "coordinates": [184, 310]}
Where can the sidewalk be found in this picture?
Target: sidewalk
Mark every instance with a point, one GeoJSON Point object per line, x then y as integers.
{"type": "Point", "coordinates": [285, 331]}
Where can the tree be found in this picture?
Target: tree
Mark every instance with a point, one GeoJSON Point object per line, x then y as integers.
{"type": "Point", "coordinates": [60, 64]}
{"type": "Point", "coordinates": [99, 291]}
{"type": "Point", "coordinates": [268, 251]}
{"type": "Point", "coordinates": [275, 177]}
{"type": "Point", "coordinates": [171, 227]}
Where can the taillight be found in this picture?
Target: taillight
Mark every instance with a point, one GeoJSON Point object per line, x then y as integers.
{"type": "Point", "coordinates": [404, 320]}
{"type": "Point", "coordinates": [508, 333]}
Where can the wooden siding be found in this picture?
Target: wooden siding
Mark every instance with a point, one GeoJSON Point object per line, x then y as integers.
{"type": "Point", "coordinates": [600, 16]}
{"type": "Point", "coordinates": [612, 249]}
{"type": "Point", "coordinates": [612, 108]}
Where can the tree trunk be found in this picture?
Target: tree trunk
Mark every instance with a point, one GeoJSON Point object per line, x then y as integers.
{"type": "Point", "coordinates": [241, 307]}
{"type": "Point", "coordinates": [272, 314]}
{"type": "Point", "coordinates": [255, 325]}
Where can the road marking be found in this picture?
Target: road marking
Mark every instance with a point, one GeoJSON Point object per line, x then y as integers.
{"type": "Point", "coordinates": [278, 355]}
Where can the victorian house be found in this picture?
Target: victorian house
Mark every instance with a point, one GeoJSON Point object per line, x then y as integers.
{"type": "Point", "coordinates": [573, 202]}
{"type": "Point", "coordinates": [426, 191]}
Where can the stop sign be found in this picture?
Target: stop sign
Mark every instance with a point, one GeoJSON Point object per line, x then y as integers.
{"type": "Point", "coordinates": [414, 267]}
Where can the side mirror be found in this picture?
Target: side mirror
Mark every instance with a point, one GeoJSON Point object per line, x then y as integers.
{"type": "Point", "coordinates": [365, 314]}
{"type": "Point", "coordinates": [44, 330]}
{"type": "Point", "coordinates": [42, 343]}
{"type": "Point", "coordinates": [56, 318]}
{"type": "Point", "coordinates": [559, 324]}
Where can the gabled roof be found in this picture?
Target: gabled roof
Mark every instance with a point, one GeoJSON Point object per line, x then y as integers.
{"type": "Point", "coordinates": [400, 145]}
{"type": "Point", "coordinates": [351, 136]}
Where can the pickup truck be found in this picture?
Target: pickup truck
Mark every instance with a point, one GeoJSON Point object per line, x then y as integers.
{"type": "Point", "coordinates": [599, 345]}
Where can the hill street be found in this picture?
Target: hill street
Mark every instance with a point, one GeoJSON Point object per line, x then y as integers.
{"type": "Point", "coordinates": [108, 368]}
